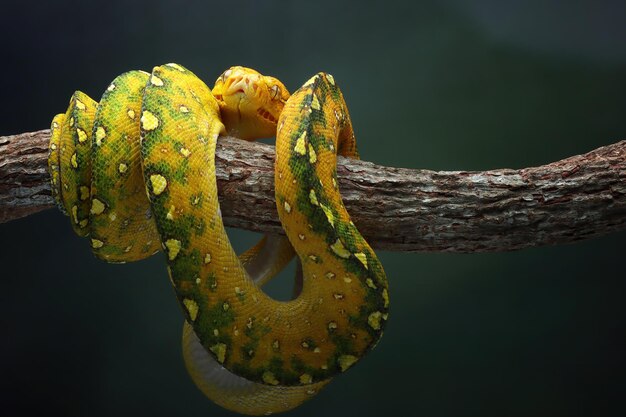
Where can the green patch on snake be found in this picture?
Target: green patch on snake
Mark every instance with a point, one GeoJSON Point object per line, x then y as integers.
{"type": "Point", "coordinates": [81, 111]}
{"type": "Point", "coordinates": [308, 344]}
{"type": "Point", "coordinates": [180, 228]}
{"type": "Point", "coordinates": [196, 199]}
{"type": "Point", "coordinates": [335, 93]}
{"type": "Point", "coordinates": [186, 266]}
{"type": "Point", "coordinates": [103, 183]}
{"type": "Point", "coordinates": [306, 177]}
{"type": "Point", "coordinates": [300, 367]}
{"type": "Point", "coordinates": [124, 91]}
{"type": "Point", "coordinates": [241, 295]}
{"type": "Point", "coordinates": [116, 102]}
{"type": "Point", "coordinates": [209, 318]}
{"type": "Point", "coordinates": [169, 101]}
{"type": "Point", "coordinates": [374, 302]}
{"type": "Point", "coordinates": [211, 281]}
{"type": "Point", "coordinates": [82, 160]}
{"type": "Point", "coordinates": [248, 350]}
{"type": "Point", "coordinates": [254, 331]}
{"type": "Point", "coordinates": [199, 227]}
{"type": "Point", "coordinates": [320, 89]}
{"type": "Point", "coordinates": [344, 346]}
{"type": "Point", "coordinates": [276, 365]}
{"type": "Point", "coordinates": [111, 250]}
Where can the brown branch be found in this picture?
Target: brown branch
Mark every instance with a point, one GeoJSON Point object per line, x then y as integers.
{"type": "Point", "coordinates": [396, 209]}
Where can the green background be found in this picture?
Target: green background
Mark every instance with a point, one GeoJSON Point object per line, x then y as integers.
{"type": "Point", "coordinates": [446, 85]}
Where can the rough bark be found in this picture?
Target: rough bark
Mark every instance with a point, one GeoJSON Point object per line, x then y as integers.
{"type": "Point", "coordinates": [396, 209]}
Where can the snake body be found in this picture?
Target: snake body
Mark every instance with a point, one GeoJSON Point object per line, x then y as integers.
{"type": "Point", "coordinates": [136, 172]}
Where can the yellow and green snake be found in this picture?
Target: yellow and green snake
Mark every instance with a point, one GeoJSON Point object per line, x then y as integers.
{"type": "Point", "coordinates": [136, 172]}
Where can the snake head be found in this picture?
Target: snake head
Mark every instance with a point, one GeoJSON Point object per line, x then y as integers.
{"type": "Point", "coordinates": [250, 103]}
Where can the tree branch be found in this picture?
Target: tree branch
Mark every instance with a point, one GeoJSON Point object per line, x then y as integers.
{"type": "Point", "coordinates": [396, 209]}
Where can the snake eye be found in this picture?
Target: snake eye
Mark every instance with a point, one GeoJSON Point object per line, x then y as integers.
{"type": "Point", "coordinates": [274, 92]}
{"type": "Point", "coordinates": [225, 75]}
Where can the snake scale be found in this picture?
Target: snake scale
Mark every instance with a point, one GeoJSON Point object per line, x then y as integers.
{"type": "Point", "coordinates": [135, 172]}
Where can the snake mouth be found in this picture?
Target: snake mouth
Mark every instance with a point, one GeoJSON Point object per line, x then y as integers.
{"type": "Point", "coordinates": [266, 115]}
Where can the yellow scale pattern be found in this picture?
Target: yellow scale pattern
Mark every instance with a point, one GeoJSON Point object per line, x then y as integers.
{"type": "Point", "coordinates": [136, 171]}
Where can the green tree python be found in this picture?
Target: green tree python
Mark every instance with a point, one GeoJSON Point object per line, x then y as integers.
{"type": "Point", "coordinates": [135, 172]}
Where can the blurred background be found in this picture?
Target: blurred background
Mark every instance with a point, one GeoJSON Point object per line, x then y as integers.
{"type": "Point", "coordinates": [444, 85]}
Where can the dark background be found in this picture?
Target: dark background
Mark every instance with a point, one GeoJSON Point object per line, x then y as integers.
{"type": "Point", "coordinates": [454, 85]}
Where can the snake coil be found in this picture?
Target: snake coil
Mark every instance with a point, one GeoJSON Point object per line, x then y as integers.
{"type": "Point", "coordinates": [136, 173]}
